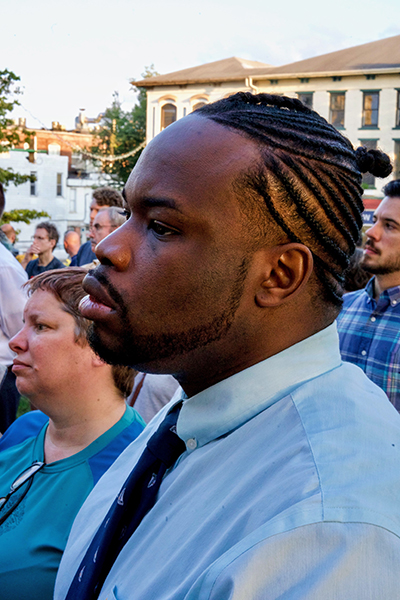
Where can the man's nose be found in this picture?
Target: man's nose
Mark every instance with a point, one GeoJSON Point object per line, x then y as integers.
{"type": "Point", "coordinates": [373, 232]}
{"type": "Point", "coordinates": [115, 249]}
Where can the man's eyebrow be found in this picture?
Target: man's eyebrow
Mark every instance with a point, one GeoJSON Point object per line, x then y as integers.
{"type": "Point", "coordinates": [389, 220]}
{"type": "Point", "coordinates": [158, 202]}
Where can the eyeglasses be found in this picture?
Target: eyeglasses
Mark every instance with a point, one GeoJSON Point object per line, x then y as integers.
{"type": "Point", "coordinates": [97, 226]}
{"type": "Point", "coordinates": [26, 476]}
{"type": "Point", "coordinates": [40, 238]}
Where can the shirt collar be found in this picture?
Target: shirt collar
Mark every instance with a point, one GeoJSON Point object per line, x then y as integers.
{"type": "Point", "coordinates": [233, 401]}
{"type": "Point", "coordinates": [393, 294]}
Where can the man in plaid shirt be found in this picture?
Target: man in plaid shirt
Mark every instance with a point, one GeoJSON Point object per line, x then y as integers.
{"type": "Point", "coordinates": [369, 324]}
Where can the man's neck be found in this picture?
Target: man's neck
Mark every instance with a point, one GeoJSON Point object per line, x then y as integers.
{"type": "Point", "coordinates": [385, 282]}
{"type": "Point", "coordinates": [45, 258]}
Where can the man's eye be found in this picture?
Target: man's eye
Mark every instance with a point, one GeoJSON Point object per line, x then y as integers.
{"type": "Point", "coordinates": [40, 327]}
{"type": "Point", "coordinates": [161, 229]}
{"type": "Point", "coordinates": [126, 213]}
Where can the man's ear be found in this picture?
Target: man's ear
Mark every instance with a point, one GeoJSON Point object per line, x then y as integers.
{"type": "Point", "coordinates": [287, 269]}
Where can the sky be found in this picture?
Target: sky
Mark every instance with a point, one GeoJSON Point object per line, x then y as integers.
{"type": "Point", "coordinates": [73, 55]}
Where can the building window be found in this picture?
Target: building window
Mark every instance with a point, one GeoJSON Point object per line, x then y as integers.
{"type": "Point", "coordinates": [370, 109]}
{"type": "Point", "coordinates": [199, 105]}
{"type": "Point", "coordinates": [72, 200]}
{"type": "Point", "coordinates": [168, 115]}
{"type": "Point", "coordinates": [33, 183]}
{"type": "Point", "coordinates": [54, 149]}
{"type": "Point", "coordinates": [336, 109]}
{"type": "Point", "coordinates": [59, 184]}
{"type": "Point", "coordinates": [306, 98]}
{"type": "Point", "coordinates": [398, 109]}
{"type": "Point", "coordinates": [368, 180]}
{"type": "Point", "coordinates": [396, 164]}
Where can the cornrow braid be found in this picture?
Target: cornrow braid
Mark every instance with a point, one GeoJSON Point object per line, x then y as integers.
{"type": "Point", "coordinates": [309, 177]}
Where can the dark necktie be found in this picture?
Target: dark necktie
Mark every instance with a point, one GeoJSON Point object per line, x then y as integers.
{"type": "Point", "coordinates": [136, 498]}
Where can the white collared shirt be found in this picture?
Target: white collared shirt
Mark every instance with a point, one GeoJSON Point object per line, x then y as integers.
{"type": "Point", "coordinates": [12, 302]}
{"type": "Point", "coordinates": [289, 489]}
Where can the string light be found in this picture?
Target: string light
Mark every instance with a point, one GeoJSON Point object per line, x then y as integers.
{"type": "Point", "coordinates": [109, 158]}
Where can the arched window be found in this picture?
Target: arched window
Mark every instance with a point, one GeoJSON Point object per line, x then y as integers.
{"type": "Point", "coordinates": [198, 105]}
{"type": "Point", "coordinates": [168, 115]}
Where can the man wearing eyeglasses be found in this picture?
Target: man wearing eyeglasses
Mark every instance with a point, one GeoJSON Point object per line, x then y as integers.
{"type": "Point", "coordinates": [103, 197]}
{"type": "Point", "coordinates": [44, 241]}
{"type": "Point", "coordinates": [106, 221]}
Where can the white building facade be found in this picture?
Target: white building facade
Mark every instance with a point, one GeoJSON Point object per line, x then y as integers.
{"type": "Point", "coordinates": [64, 197]}
{"type": "Point", "coordinates": [357, 90]}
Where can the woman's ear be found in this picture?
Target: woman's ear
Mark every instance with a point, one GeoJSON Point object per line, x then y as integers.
{"type": "Point", "coordinates": [287, 269]}
{"type": "Point", "coordinates": [97, 361]}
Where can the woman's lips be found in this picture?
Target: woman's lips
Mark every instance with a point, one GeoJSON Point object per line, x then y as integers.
{"type": "Point", "coordinates": [19, 366]}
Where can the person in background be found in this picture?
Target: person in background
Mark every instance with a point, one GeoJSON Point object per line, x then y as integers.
{"type": "Point", "coordinates": [12, 302]}
{"type": "Point", "coordinates": [105, 221]}
{"type": "Point", "coordinates": [151, 393]}
{"type": "Point", "coordinates": [72, 243]}
{"type": "Point", "coordinates": [44, 241]}
{"type": "Point", "coordinates": [103, 197]}
{"type": "Point", "coordinates": [58, 453]}
{"type": "Point", "coordinates": [369, 323]}
{"type": "Point", "coordinates": [280, 462]}
{"type": "Point", "coordinates": [8, 237]}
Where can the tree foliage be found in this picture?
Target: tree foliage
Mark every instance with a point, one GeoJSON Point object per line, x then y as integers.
{"type": "Point", "coordinates": [10, 134]}
{"type": "Point", "coordinates": [18, 215]}
{"type": "Point", "coordinates": [121, 132]}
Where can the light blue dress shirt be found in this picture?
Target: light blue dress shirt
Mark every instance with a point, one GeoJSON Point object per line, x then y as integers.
{"type": "Point", "coordinates": [289, 489]}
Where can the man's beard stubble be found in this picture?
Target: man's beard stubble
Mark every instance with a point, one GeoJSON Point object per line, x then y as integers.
{"type": "Point", "coordinates": [385, 268]}
{"type": "Point", "coordinates": [139, 350]}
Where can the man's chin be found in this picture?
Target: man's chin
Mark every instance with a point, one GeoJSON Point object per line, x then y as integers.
{"type": "Point", "coordinates": [106, 349]}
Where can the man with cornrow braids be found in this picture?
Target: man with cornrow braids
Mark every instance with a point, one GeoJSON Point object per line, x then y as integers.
{"type": "Point", "coordinates": [369, 324]}
{"type": "Point", "coordinates": [228, 274]}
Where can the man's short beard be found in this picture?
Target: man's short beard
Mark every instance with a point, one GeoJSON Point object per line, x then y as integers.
{"type": "Point", "coordinates": [141, 350]}
{"type": "Point", "coordinates": [391, 266]}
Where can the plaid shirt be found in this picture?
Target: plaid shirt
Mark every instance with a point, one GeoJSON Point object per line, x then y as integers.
{"type": "Point", "coordinates": [369, 334]}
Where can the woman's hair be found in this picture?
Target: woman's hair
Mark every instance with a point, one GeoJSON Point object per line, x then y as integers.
{"type": "Point", "coordinates": [66, 287]}
{"type": "Point", "coordinates": [307, 183]}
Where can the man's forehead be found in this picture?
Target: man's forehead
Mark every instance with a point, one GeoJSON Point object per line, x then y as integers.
{"type": "Point", "coordinates": [102, 217]}
{"type": "Point", "coordinates": [191, 151]}
{"type": "Point", "coordinates": [389, 208]}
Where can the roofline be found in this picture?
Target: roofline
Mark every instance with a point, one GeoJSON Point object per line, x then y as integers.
{"type": "Point", "coordinates": [315, 74]}
{"type": "Point", "coordinates": [148, 83]}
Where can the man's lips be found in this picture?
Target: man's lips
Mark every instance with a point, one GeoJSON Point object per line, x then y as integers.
{"type": "Point", "coordinates": [97, 304]}
{"type": "Point", "coordinates": [370, 250]}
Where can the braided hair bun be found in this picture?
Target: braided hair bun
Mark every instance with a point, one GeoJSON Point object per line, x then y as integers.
{"type": "Point", "coordinates": [373, 161]}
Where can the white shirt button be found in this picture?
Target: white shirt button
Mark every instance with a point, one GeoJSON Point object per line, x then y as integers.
{"type": "Point", "coordinates": [363, 352]}
{"type": "Point", "coordinates": [373, 319]}
{"type": "Point", "coordinates": [191, 443]}
{"type": "Point", "coordinates": [394, 302]}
